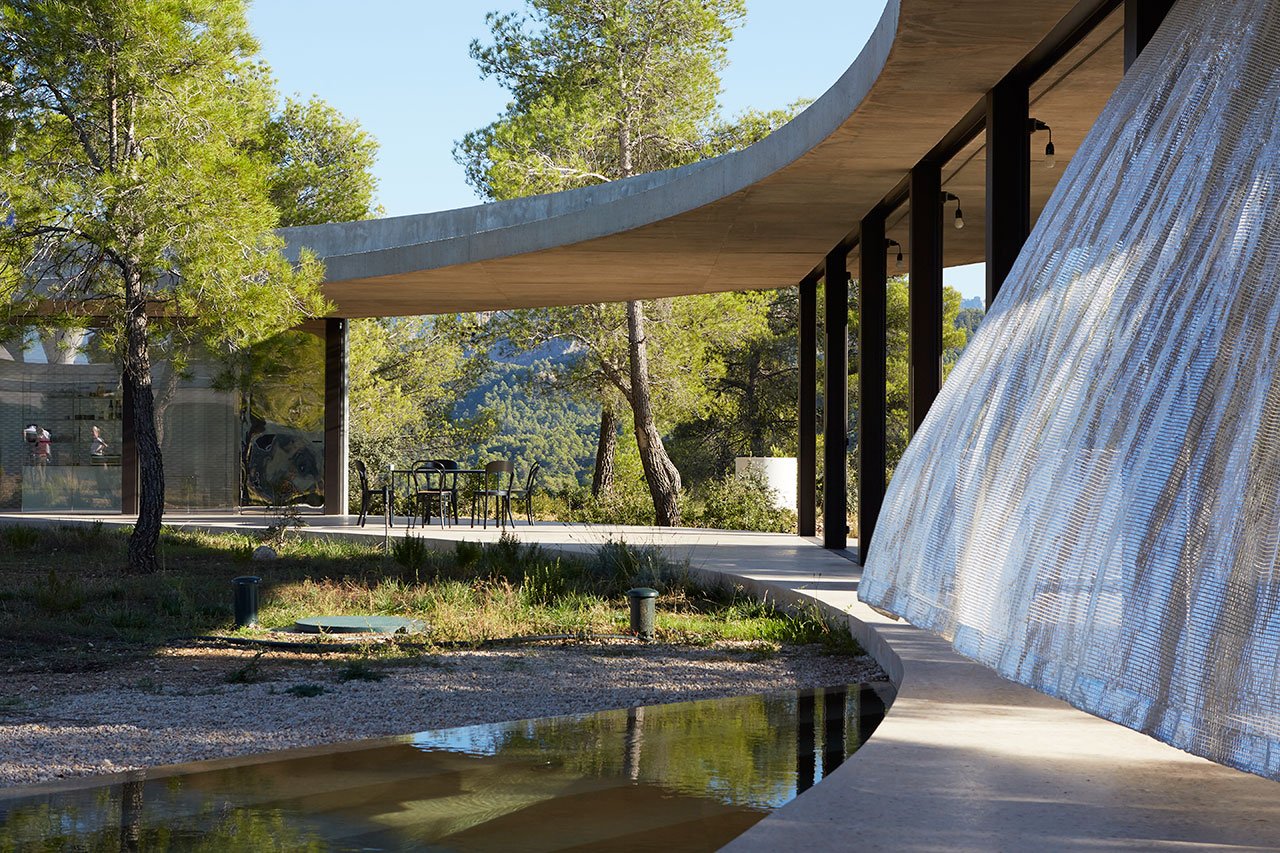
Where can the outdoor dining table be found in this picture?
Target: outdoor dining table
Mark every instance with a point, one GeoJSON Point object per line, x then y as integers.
{"type": "Point", "coordinates": [407, 474]}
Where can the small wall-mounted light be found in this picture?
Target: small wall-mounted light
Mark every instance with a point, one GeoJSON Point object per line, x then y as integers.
{"type": "Point", "coordinates": [946, 197]}
{"type": "Point", "coordinates": [889, 244]}
{"type": "Point", "coordinates": [1050, 157]}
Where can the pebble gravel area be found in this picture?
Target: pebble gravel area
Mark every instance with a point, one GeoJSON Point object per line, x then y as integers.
{"type": "Point", "coordinates": [192, 704]}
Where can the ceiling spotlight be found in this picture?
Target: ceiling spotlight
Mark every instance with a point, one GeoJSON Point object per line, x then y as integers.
{"type": "Point", "coordinates": [959, 221]}
{"type": "Point", "coordinates": [888, 244]}
{"type": "Point", "coordinates": [1050, 157]}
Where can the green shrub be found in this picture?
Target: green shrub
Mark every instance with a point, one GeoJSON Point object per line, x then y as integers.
{"type": "Point", "coordinates": [617, 567]}
{"type": "Point", "coordinates": [505, 558]}
{"type": "Point", "coordinates": [21, 538]}
{"type": "Point", "coordinates": [739, 503]}
{"type": "Point", "coordinates": [811, 625]}
{"type": "Point", "coordinates": [547, 582]}
{"type": "Point", "coordinates": [467, 554]}
{"type": "Point", "coordinates": [411, 553]}
{"type": "Point", "coordinates": [305, 690]}
{"type": "Point", "coordinates": [250, 673]}
{"type": "Point", "coordinates": [628, 502]}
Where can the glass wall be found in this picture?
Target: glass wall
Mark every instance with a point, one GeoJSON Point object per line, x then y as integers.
{"type": "Point", "coordinates": [61, 413]}
{"type": "Point", "coordinates": [243, 432]}
{"type": "Point", "coordinates": [282, 421]}
{"type": "Point", "coordinates": [198, 425]}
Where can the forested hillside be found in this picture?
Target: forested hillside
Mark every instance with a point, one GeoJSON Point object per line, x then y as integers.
{"type": "Point", "coordinates": [539, 419]}
{"type": "Point", "coordinates": [537, 422]}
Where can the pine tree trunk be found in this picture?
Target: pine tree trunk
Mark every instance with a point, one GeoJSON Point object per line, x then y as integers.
{"type": "Point", "coordinates": [661, 474]}
{"type": "Point", "coordinates": [137, 376]}
{"type": "Point", "coordinates": [602, 479]}
{"type": "Point", "coordinates": [751, 403]}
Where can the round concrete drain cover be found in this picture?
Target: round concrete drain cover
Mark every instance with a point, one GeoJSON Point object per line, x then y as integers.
{"type": "Point", "coordinates": [359, 625]}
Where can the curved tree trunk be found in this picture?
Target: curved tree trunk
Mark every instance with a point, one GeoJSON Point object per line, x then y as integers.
{"type": "Point", "coordinates": [661, 474]}
{"type": "Point", "coordinates": [602, 479]}
{"type": "Point", "coordinates": [137, 376]}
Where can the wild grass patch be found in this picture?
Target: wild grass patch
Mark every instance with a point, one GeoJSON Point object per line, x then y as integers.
{"type": "Point", "coordinates": [471, 594]}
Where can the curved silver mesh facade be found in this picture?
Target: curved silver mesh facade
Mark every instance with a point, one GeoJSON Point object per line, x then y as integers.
{"type": "Point", "coordinates": [1092, 506]}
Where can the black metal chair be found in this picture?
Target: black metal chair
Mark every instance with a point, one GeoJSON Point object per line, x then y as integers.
{"type": "Point", "coordinates": [494, 487]}
{"type": "Point", "coordinates": [525, 494]}
{"type": "Point", "coordinates": [450, 465]}
{"type": "Point", "coordinates": [366, 492]}
{"type": "Point", "coordinates": [431, 486]}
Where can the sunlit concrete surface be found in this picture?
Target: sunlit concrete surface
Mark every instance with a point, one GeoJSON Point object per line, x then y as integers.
{"type": "Point", "coordinates": [964, 760]}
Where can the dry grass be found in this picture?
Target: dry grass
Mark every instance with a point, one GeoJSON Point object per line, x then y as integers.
{"type": "Point", "coordinates": [62, 589]}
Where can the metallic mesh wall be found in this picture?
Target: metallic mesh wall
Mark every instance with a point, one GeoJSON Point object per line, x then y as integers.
{"type": "Point", "coordinates": [1092, 506]}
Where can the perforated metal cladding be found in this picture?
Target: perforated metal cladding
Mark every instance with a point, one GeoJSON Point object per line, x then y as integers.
{"type": "Point", "coordinates": [1092, 506]}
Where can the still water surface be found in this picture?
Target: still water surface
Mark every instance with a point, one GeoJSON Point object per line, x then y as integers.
{"type": "Point", "coordinates": [687, 776]}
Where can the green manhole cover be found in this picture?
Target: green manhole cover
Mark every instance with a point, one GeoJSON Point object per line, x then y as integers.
{"type": "Point", "coordinates": [359, 625]}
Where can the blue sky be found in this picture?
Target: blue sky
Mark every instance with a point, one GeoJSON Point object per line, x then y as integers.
{"type": "Point", "coordinates": [401, 68]}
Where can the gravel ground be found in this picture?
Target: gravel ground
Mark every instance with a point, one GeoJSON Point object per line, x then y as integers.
{"type": "Point", "coordinates": [179, 706]}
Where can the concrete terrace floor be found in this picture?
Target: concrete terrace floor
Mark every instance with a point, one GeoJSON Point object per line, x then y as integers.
{"type": "Point", "coordinates": [964, 760]}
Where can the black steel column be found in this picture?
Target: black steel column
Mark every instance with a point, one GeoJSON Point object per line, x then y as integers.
{"type": "Point", "coordinates": [835, 403]}
{"type": "Point", "coordinates": [868, 714]}
{"type": "Point", "coordinates": [807, 454]}
{"type": "Point", "coordinates": [335, 416]}
{"type": "Point", "coordinates": [872, 345]}
{"type": "Point", "coordinates": [1008, 179]}
{"type": "Point", "coordinates": [1141, 20]}
{"type": "Point", "coordinates": [833, 723]}
{"type": "Point", "coordinates": [128, 454]}
{"type": "Point", "coordinates": [924, 336]}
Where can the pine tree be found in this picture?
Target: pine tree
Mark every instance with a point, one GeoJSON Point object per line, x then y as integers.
{"type": "Point", "coordinates": [603, 90]}
{"type": "Point", "coordinates": [138, 192]}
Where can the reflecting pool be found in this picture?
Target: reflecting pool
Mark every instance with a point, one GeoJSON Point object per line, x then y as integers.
{"type": "Point", "coordinates": [687, 776]}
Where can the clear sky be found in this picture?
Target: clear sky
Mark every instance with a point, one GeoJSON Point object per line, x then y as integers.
{"type": "Point", "coordinates": [401, 68]}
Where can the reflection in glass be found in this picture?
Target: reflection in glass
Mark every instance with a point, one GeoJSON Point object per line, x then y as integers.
{"type": "Point", "coordinates": [60, 423]}
{"type": "Point", "coordinates": [281, 384]}
{"type": "Point", "coordinates": [244, 431]}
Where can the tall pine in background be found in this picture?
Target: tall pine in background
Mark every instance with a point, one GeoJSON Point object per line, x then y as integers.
{"type": "Point", "coordinates": [603, 90]}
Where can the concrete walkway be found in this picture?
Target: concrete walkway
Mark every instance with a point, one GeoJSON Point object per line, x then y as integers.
{"type": "Point", "coordinates": [964, 760]}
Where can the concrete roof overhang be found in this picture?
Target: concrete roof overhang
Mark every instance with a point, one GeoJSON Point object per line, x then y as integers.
{"type": "Point", "coordinates": [759, 218]}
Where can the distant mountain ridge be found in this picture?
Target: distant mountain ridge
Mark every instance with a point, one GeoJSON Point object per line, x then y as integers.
{"type": "Point", "coordinates": [536, 423]}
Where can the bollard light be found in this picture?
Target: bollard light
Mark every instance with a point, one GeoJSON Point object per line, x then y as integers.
{"type": "Point", "coordinates": [246, 600]}
{"type": "Point", "coordinates": [643, 611]}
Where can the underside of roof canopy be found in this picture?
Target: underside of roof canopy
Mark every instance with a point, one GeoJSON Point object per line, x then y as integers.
{"type": "Point", "coordinates": [760, 218]}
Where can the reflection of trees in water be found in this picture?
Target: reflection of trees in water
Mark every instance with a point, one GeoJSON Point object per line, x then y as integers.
{"type": "Point", "coordinates": [131, 815]}
{"type": "Point", "coordinates": [732, 758]}
{"type": "Point", "coordinates": [744, 755]}
{"type": "Point", "coordinates": [115, 819]}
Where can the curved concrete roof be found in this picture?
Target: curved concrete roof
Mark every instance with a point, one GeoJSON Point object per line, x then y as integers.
{"type": "Point", "coordinates": [759, 218]}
